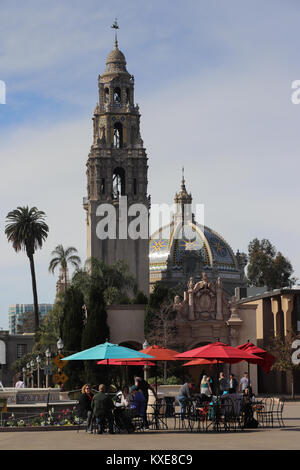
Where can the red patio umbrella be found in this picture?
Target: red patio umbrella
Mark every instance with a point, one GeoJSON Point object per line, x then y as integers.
{"type": "Point", "coordinates": [220, 352]}
{"type": "Point", "coordinates": [160, 353]}
{"type": "Point", "coordinates": [267, 358]}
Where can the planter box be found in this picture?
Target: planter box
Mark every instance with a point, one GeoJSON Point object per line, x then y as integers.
{"type": "Point", "coordinates": [41, 428]}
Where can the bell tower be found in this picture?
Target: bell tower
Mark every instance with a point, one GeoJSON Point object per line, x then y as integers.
{"type": "Point", "coordinates": [117, 173]}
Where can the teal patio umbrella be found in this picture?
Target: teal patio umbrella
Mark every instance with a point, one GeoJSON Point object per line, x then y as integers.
{"type": "Point", "coordinates": [107, 351]}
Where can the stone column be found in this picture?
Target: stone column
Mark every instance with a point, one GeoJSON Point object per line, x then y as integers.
{"type": "Point", "coordinates": [235, 323]}
{"type": "Point", "coordinates": [275, 306]}
{"type": "Point", "coordinates": [219, 315]}
{"type": "Point", "coordinates": [287, 304]}
{"type": "Point", "coordinates": [191, 299]}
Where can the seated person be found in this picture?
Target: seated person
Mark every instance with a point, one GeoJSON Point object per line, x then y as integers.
{"type": "Point", "coordinates": [246, 406]}
{"type": "Point", "coordinates": [137, 404]}
{"type": "Point", "coordinates": [102, 406]}
{"type": "Point", "coordinates": [122, 417]}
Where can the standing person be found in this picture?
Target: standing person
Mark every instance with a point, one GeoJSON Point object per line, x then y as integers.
{"type": "Point", "coordinates": [205, 388]}
{"type": "Point", "coordinates": [244, 382]}
{"type": "Point", "coordinates": [85, 406]}
{"type": "Point", "coordinates": [232, 384]}
{"type": "Point", "coordinates": [183, 396]}
{"type": "Point", "coordinates": [222, 383]}
{"type": "Point", "coordinates": [20, 383]}
{"type": "Point", "coordinates": [102, 406]}
{"type": "Point", "coordinates": [144, 387]}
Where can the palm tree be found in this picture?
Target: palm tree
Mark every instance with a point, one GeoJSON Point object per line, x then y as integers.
{"type": "Point", "coordinates": [62, 258]}
{"type": "Point", "coordinates": [27, 230]}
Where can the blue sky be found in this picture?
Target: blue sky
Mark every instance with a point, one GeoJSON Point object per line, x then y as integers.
{"type": "Point", "coordinates": [213, 81]}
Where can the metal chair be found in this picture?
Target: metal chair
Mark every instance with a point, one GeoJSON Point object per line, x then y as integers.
{"type": "Point", "coordinates": [277, 415]}
{"type": "Point", "coordinates": [265, 412]}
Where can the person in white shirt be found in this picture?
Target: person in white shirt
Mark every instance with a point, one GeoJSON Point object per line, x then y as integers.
{"type": "Point", "coordinates": [244, 382]}
{"type": "Point", "coordinates": [20, 384]}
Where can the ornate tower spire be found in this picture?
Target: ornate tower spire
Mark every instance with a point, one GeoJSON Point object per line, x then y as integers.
{"type": "Point", "coordinates": [183, 201]}
{"type": "Point", "coordinates": [115, 26]}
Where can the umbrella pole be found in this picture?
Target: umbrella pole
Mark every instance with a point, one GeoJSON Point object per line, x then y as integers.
{"type": "Point", "coordinates": [218, 375]}
{"type": "Point", "coordinates": [248, 373]}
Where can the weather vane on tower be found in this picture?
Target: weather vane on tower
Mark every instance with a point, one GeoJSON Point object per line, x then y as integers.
{"type": "Point", "coordinates": [115, 26]}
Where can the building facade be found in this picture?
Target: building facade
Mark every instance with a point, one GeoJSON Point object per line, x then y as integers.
{"type": "Point", "coordinates": [12, 347]}
{"type": "Point", "coordinates": [17, 311]}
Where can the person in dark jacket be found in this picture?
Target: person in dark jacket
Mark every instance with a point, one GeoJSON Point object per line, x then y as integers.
{"type": "Point", "coordinates": [85, 406]}
{"type": "Point", "coordinates": [232, 384]}
{"type": "Point", "coordinates": [102, 406]}
{"type": "Point", "coordinates": [144, 387]}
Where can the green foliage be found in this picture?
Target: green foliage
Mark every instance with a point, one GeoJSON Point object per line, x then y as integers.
{"type": "Point", "coordinates": [50, 327]}
{"type": "Point", "coordinates": [96, 331]}
{"type": "Point", "coordinates": [140, 299]}
{"type": "Point", "coordinates": [282, 350]}
{"type": "Point", "coordinates": [71, 332]}
{"type": "Point", "coordinates": [267, 267]}
{"type": "Point", "coordinates": [62, 258]}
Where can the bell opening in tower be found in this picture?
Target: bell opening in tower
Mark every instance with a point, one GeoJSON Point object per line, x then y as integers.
{"type": "Point", "coordinates": [118, 135]}
{"type": "Point", "coordinates": [118, 183]}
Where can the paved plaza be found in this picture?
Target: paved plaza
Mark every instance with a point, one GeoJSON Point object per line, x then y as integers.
{"type": "Point", "coordinates": [287, 438]}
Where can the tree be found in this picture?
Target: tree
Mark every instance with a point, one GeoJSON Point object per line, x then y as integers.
{"type": "Point", "coordinates": [163, 328]}
{"type": "Point", "coordinates": [72, 325]}
{"type": "Point", "coordinates": [26, 323]}
{"type": "Point", "coordinates": [50, 328]}
{"type": "Point", "coordinates": [27, 230]}
{"type": "Point", "coordinates": [267, 267]}
{"type": "Point", "coordinates": [282, 350]}
{"type": "Point", "coordinates": [62, 258]}
{"type": "Point", "coordinates": [96, 332]}
{"type": "Point", "coordinates": [114, 280]}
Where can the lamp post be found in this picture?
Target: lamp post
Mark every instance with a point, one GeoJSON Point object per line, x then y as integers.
{"type": "Point", "coordinates": [146, 368]}
{"type": "Point", "coordinates": [32, 369]}
{"type": "Point", "coordinates": [48, 355]}
{"type": "Point", "coordinates": [38, 361]}
{"type": "Point", "coordinates": [24, 376]}
{"type": "Point", "coordinates": [28, 376]}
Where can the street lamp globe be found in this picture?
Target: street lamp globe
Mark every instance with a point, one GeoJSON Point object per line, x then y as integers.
{"type": "Point", "coordinates": [60, 344]}
{"type": "Point", "coordinates": [48, 353]}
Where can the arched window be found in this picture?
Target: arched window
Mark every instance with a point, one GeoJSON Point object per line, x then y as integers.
{"type": "Point", "coordinates": [117, 95]}
{"type": "Point", "coordinates": [118, 135]}
{"type": "Point", "coordinates": [106, 95]}
{"type": "Point", "coordinates": [118, 182]}
{"type": "Point", "coordinates": [134, 186]}
{"type": "Point", "coordinates": [127, 95]}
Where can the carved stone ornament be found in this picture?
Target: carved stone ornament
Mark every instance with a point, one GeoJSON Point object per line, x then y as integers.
{"type": "Point", "coordinates": [203, 301]}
